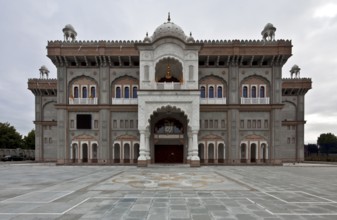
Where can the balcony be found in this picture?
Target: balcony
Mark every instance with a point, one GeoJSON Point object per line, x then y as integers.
{"type": "Point", "coordinates": [254, 101]}
{"type": "Point", "coordinates": [168, 86]}
{"type": "Point", "coordinates": [213, 101]}
{"type": "Point", "coordinates": [124, 101]}
{"type": "Point", "coordinates": [83, 101]}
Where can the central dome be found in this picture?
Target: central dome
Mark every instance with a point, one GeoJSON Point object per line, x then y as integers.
{"type": "Point", "coordinates": [169, 29]}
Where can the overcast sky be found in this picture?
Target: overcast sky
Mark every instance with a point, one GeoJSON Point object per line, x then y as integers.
{"type": "Point", "coordinates": [26, 26]}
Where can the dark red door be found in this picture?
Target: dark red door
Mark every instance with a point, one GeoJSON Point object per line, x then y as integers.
{"type": "Point", "coordinates": [169, 154]}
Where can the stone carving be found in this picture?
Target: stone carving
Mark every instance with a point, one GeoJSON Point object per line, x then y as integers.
{"type": "Point", "coordinates": [69, 33]}
{"type": "Point", "coordinates": [44, 72]}
{"type": "Point", "coordinates": [268, 33]}
{"type": "Point", "coordinates": [295, 70]}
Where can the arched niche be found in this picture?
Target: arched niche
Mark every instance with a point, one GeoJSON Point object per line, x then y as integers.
{"type": "Point", "coordinates": [169, 70]}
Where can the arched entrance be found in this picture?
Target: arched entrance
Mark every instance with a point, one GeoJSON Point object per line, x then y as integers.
{"type": "Point", "coordinates": [253, 153]}
{"type": "Point", "coordinates": [85, 153]}
{"type": "Point", "coordinates": [168, 141]}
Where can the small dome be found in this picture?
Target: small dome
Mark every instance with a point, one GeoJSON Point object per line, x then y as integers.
{"type": "Point", "coordinates": [169, 29]}
{"type": "Point", "coordinates": [44, 68]}
{"type": "Point", "coordinates": [295, 68]}
{"type": "Point", "coordinates": [190, 39]}
{"type": "Point", "coordinates": [147, 39]}
{"type": "Point", "coordinates": [69, 33]}
{"type": "Point", "coordinates": [69, 27]}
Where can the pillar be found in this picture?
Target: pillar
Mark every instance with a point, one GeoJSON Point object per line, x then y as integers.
{"type": "Point", "coordinates": [142, 159]}
{"type": "Point", "coordinates": [190, 146]}
{"type": "Point", "coordinates": [147, 146]}
{"type": "Point", "coordinates": [195, 160]}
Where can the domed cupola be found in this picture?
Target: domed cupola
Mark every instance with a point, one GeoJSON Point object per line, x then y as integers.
{"type": "Point", "coordinates": [190, 39]}
{"type": "Point", "coordinates": [147, 39]}
{"type": "Point", "coordinates": [169, 29]}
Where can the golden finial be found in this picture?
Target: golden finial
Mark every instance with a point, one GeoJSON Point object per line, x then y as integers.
{"type": "Point", "coordinates": [168, 72]}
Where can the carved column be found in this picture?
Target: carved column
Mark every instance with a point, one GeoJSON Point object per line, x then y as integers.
{"type": "Point", "coordinates": [147, 146]}
{"type": "Point", "coordinates": [195, 160]}
{"type": "Point", "coordinates": [190, 146]}
{"type": "Point", "coordinates": [142, 160]}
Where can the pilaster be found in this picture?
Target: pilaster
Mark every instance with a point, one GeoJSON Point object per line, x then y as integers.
{"type": "Point", "coordinates": [233, 85]}
{"type": "Point", "coordinates": [104, 137]}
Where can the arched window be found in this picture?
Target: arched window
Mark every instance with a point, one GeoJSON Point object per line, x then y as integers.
{"type": "Point", "coordinates": [118, 92]}
{"type": "Point", "coordinates": [202, 92]}
{"type": "Point", "coordinates": [84, 92]}
{"type": "Point", "coordinates": [134, 92]}
{"type": "Point", "coordinates": [254, 92]}
{"type": "Point", "coordinates": [262, 92]}
{"type": "Point", "coordinates": [211, 92]}
{"type": "Point", "coordinates": [245, 92]}
{"type": "Point", "coordinates": [219, 92]}
{"type": "Point", "coordinates": [75, 92]}
{"type": "Point", "coordinates": [126, 92]}
{"type": "Point", "coordinates": [93, 91]}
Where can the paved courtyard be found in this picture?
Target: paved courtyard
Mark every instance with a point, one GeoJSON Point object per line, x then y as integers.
{"type": "Point", "coordinates": [46, 191]}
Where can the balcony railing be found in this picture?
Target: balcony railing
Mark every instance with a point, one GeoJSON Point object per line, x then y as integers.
{"type": "Point", "coordinates": [168, 86]}
{"type": "Point", "coordinates": [83, 101]}
{"type": "Point", "coordinates": [124, 101]}
{"type": "Point", "coordinates": [213, 101]}
{"type": "Point", "coordinates": [254, 101]}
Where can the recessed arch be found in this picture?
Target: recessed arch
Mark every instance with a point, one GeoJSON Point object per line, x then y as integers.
{"type": "Point", "coordinates": [123, 83]}
{"type": "Point", "coordinates": [169, 69]}
{"type": "Point", "coordinates": [168, 109]}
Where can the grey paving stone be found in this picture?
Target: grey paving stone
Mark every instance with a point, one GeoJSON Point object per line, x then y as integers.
{"type": "Point", "coordinates": [138, 214]}
{"type": "Point", "coordinates": [199, 210]}
{"type": "Point", "coordinates": [157, 217]}
{"type": "Point", "coordinates": [178, 207]}
{"type": "Point", "coordinates": [201, 217]}
{"type": "Point", "coordinates": [250, 192]}
{"type": "Point", "coordinates": [179, 214]}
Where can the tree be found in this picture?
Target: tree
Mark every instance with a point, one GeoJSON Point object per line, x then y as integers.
{"type": "Point", "coordinates": [311, 149]}
{"type": "Point", "coordinates": [9, 137]}
{"type": "Point", "coordinates": [327, 143]}
{"type": "Point", "coordinates": [29, 140]}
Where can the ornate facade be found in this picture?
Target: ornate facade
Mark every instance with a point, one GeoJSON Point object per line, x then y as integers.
{"type": "Point", "coordinates": [170, 99]}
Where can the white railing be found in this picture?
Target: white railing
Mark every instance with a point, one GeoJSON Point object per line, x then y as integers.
{"type": "Point", "coordinates": [254, 101]}
{"type": "Point", "coordinates": [213, 101]}
{"type": "Point", "coordinates": [168, 86]}
{"type": "Point", "coordinates": [83, 101]}
{"type": "Point", "coordinates": [123, 101]}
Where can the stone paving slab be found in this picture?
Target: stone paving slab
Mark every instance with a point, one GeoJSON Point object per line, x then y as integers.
{"type": "Point", "coordinates": [174, 192]}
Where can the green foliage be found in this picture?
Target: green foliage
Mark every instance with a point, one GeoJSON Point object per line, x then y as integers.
{"type": "Point", "coordinates": [311, 149]}
{"type": "Point", "coordinates": [29, 140]}
{"type": "Point", "coordinates": [9, 137]}
{"type": "Point", "coordinates": [327, 143]}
